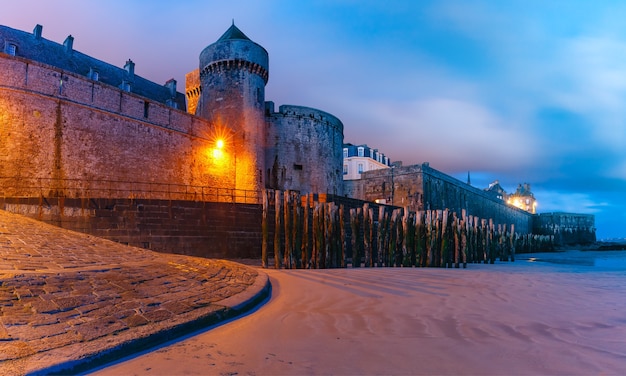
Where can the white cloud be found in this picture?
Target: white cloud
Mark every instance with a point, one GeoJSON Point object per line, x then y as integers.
{"type": "Point", "coordinates": [453, 133]}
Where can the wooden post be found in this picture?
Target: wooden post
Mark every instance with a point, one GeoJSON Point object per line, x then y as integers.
{"type": "Point", "coordinates": [297, 231]}
{"type": "Point", "coordinates": [393, 239]}
{"type": "Point", "coordinates": [316, 240]}
{"type": "Point", "coordinates": [490, 240]}
{"type": "Point", "coordinates": [264, 230]}
{"type": "Point", "coordinates": [306, 250]}
{"type": "Point", "coordinates": [330, 240]}
{"type": "Point", "coordinates": [287, 229]}
{"type": "Point", "coordinates": [353, 238]}
{"type": "Point", "coordinates": [456, 239]}
{"type": "Point", "coordinates": [381, 236]}
{"type": "Point", "coordinates": [429, 238]}
{"type": "Point", "coordinates": [367, 236]}
{"type": "Point", "coordinates": [277, 233]}
{"type": "Point", "coordinates": [409, 239]}
{"type": "Point", "coordinates": [342, 232]}
{"type": "Point", "coordinates": [405, 259]}
{"type": "Point", "coordinates": [443, 256]}
{"type": "Point", "coordinates": [512, 242]}
{"type": "Point", "coordinates": [463, 227]}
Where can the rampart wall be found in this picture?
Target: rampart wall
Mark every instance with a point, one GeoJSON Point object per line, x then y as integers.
{"type": "Point", "coordinates": [304, 150]}
{"type": "Point", "coordinates": [56, 124]}
{"type": "Point", "coordinates": [420, 187]}
{"type": "Point", "coordinates": [567, 228]}
{"type": "Point", "coordinates": [204, 229]}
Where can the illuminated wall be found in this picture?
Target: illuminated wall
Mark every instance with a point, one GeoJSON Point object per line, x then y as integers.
{"type": "Point", "coordinates": [92, 131]}
{"type": "Point", "coordinates": [233, 74]}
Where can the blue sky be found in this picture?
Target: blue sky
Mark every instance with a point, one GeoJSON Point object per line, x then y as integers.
{"type": "Point", "coordinates": [518, 91]}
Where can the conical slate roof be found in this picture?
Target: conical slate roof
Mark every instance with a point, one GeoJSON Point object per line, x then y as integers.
{"type": "Point", "coordinates": [233, 32]}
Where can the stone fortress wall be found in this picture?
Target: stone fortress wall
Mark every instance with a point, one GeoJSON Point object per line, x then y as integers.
{"type": "Point", "coordinates": [67, 135]}
{"type": "Point", "coordinates": [420, 187]}
{"type": "Point", "coordinates": [59, 125]}
{"type": "Point", "coordinates": [304, 146]}
{"type": "Point", "coordinates": [567, 228]}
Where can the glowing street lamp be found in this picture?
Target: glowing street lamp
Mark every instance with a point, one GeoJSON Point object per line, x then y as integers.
{"type": "Point", "coordinates": [218, 150]}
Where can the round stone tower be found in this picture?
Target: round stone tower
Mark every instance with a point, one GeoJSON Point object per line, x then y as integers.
{"type": "Point", "coordinates": [233, 75]}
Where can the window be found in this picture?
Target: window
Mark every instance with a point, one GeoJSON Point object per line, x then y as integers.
{"type": "Point", "coordinates": [345, 169]}
{"type": "Point", "coordinates": [11, 49]}
{"type": "Point", "coordinates": [371, 153]}
{"type": "Point", "coordinates": [361, 152]}
{"type": "Point", "coordinates": [125, 86]}
{"type": "Point", "coordinates": [297, 167]}
{"type": "Point", "coordinates": [171, 103]}
{"type": "Point", "coordinates": [146, 107]}
{"type": "Point", "coordinates": [360, 168]}
{"type": "Point", "coordinates": [93, 74]}
{"type": "Point", "coordinates": [345, 152]}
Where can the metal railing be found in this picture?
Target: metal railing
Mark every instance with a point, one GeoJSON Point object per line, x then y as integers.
{"type": "Point", "coordinates": [21, 187]}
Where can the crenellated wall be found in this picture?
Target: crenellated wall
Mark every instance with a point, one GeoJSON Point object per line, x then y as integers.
{"type": "Point", "coordinates": [56, 124]}
{"type": "Point", "coordinates": [304, 150]}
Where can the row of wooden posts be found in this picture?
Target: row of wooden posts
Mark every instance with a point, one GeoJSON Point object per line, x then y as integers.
{"type": "Point", "coordinates": [313, 236]}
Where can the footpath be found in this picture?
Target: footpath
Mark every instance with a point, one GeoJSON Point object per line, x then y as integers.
{"type": "Point", "coordinates": [70, 301]}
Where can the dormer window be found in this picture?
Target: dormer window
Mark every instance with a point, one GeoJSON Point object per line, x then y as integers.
{"type": "Point", "coordinates": [345, 152]}
{"type": "Point", "coordinates": [361, 151]}
{"type": "Point", "coordinates": [171, 103]}
{"type": "Point", "coordinates": [125, 86]}
{"type": "Point", "coordinates": [11, 49]}
{"type": "Point", "coordinates": [93, 74]}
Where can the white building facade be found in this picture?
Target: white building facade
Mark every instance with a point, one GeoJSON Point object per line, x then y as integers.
{"type": "Point", "coordinates": [361, 158]}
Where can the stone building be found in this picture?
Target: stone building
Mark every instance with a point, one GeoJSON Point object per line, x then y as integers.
{"type": "Point", "coordinates": [523, 198]}
{"type": "Point", "coordinates": [74, 127]}
{"type": "Point", "coordinates": [421, 187]}
{"type": "Point", "coordinates": [71, 119]}
{"type": "Point", "coordinates": [295, 148]}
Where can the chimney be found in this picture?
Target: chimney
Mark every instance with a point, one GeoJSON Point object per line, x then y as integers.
{"type": "Point", "coordinates": [130, 68]}
{"type": "Point", "coordinates": [69, 43]}
{"type": "Point", "coordinates": [171, 84]}
{"type": "Point", "coordinates": [37, 31]}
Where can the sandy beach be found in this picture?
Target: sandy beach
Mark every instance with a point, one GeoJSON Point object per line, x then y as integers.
{"type": "Point", "coordinates": [544, 314]}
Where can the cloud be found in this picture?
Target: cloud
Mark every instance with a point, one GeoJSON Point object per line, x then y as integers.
{"type": "Point", "coordinates": [451, 134]}
{"type": "Point", "coordinates": [568, 202]}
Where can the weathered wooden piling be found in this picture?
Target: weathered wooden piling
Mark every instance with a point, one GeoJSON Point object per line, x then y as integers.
{"type": "Point", "coordinates": [310, 234]}
{"type": "Point", "coordinates": [277, 227]}
{"type": "Point", "coordinates": [264, 230]}
{"type": "Point", "coordinates": [368, 224]}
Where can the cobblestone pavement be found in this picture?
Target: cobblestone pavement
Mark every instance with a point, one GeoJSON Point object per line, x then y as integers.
{"type": "Point", "coordinates": [70, 300]}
